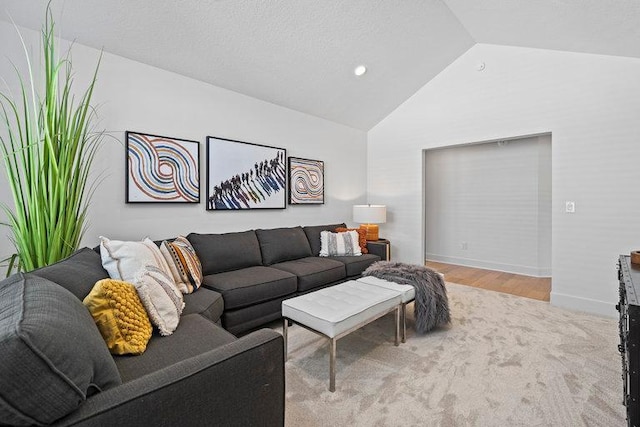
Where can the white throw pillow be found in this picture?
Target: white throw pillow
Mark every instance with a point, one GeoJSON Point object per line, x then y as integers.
{"type": "Point", "coordinates": [339, 244]}
{"type": "Point", "coordinates": [161, 298]}
{"type": "Point", "coordinates": [124, 259]}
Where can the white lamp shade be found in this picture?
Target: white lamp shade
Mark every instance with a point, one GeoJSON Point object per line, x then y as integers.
{"type": "Point", "coordinates": [370, 214]}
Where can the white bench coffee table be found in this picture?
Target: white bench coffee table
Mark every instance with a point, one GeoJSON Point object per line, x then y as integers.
{"type": "Point", "coordinates": [338, 310]}
{"type": "Point", "coordinates": [407, 294]}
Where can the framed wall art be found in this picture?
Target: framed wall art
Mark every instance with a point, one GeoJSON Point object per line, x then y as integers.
{"type": "Point", "coordinates": [161, 169]}
{"type": "Point", "coordinates": [306, 181]}
{"type": "Point", "coordinates": [242, 175]}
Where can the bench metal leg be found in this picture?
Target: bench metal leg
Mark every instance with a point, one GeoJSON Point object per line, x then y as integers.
{"type": "Point", "coordinates": [285, 334]}
{"type": "Point", "coordinates": [397, 315]}
{"type": "Point", "coordinates": [332, 365]}
{"type": "Point", "coordinates": [404, 322]}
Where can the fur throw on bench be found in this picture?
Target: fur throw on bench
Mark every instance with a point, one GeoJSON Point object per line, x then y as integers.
{"type": "Point", "coordinates": [431, 307]}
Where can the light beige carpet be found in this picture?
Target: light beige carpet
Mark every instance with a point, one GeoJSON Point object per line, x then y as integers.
{"type": "Point", "coordinates": [503, 361]}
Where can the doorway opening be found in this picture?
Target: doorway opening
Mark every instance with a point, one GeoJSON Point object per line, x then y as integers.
{"type": "Point", "coordinates": [487, 207]}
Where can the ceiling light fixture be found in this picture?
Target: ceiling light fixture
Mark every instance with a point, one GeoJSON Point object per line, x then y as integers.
{"type": "Point", "coordinates": [360, 70]}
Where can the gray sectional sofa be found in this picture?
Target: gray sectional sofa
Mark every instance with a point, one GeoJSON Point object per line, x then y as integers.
{"type": "Point", "coordinates": [255, 270]}
{"type": "Point", "coordinates": [57, 370]}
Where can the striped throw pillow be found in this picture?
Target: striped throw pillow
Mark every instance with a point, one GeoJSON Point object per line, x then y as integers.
{"type": "Point", "coordinates": [161, 298]}
{"type": "Point", "coordinates": [362, 235]}
{"type": "Point", "coordinates": [184, 264]}
{"type": "Point", "coordinates": [339, 244]}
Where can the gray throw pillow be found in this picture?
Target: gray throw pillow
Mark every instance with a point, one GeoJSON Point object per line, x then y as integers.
{"type": "Point", "coordinates": [52, 353]}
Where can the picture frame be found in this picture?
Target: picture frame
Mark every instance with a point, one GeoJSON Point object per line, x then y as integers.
{"type": "Point", "coordinates": [161, 169]}
{"type": "Point", "coordinates": [306, 181]}
{"type": "Point", "coordinates": [243, 175]}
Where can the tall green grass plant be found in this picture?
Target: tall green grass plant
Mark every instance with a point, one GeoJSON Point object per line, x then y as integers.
{"type": "Point", "coordinates": [48, 149]}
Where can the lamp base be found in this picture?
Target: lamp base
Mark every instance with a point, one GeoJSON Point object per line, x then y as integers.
{"type": "Point", "coordinates": [372, 231]}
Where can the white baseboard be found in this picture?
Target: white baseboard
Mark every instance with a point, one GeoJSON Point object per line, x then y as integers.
{"type": "Point", "coordinates": [584, 304]}
{"type": "Point", "coordinates": [508, 268]}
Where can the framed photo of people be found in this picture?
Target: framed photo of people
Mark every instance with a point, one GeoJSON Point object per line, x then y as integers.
{"type": "Point", "coordinates": [243, 175]}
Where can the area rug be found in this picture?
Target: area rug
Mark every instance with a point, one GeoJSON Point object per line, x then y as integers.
{"type": "Point", "coordinates": [503, 361]}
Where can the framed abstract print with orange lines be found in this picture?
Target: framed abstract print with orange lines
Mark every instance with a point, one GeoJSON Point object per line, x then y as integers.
{"type": "Point", "coordinates": [161, 169]}
{"type": "Point", "coordinates": [306, 181]}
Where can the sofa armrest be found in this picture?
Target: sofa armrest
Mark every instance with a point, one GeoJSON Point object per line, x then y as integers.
{"type": "Point", "coordinates": [381, 248]}
{"type": "Point", "coordinates": [238, 384]}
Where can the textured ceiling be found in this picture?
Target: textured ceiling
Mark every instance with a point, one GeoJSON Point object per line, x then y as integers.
{"type": "Point", "coordinates": [301, 54]}
{"type": "Point", "coordinates": [607, 27]}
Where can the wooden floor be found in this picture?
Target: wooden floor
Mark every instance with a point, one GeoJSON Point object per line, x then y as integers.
{"type": "Point", "coordinates": [515, 284]}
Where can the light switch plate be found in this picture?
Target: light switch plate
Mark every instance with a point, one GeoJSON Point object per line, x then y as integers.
{"type": "Point", "coordinates": [570, 207]}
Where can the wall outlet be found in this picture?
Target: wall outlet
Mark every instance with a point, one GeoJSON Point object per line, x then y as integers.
{"type": "Point", "coordinates": [463, 246]}
{"type": "Point", "coordinates": [570, 207]}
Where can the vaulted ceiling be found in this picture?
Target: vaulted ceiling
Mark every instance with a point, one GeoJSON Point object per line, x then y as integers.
{"type": "Point", "coordinates": [301, 54]}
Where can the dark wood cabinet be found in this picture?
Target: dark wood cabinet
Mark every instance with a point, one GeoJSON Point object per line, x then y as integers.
{"type": "Point", "coordinates": [629, 347]}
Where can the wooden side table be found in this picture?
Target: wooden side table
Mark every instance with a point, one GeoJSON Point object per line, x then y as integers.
{"type": "Point", "coordinates": [380, 247]}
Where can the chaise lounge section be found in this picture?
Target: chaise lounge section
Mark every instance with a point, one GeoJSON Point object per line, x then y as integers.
{"type": "Point", "coordinates": [58, 371]}
{"type": "Point", "coordinates": [199, 375]}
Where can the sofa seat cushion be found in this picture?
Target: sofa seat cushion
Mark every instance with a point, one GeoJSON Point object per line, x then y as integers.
{"type": "Point", "coordinates": [245, 319]}
{"type": "Point", "coordinates": [251, 285]}
{"type": "Point", "coordinates": [76, 273]}
{"type": "Point", "coordinates": [313, 235]}
{"type": "Point", "coordinates": [52, 354]}
{"type": "Point", "coordinates": [283, 244]}
{"type": "Point", "coordinates": [194, 335]}
{"type": "Point", "coordinates": [355, 265]}
{"type": "Point", "coordinates": [226, 252]}
{"type": "Point", "coordinates": [313, 272]}
{"type": "Point", "coordinates": [205, 302]}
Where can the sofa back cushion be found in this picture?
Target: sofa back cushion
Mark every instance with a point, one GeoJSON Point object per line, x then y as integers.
{"type": "Point", "coordinates": [313, 235]}
{"type": "Point", "coordinates": [52, 353]}
{"type": "Point", "coordinates": [225, 252]}
{"type": "Point", "coordinates": [283, 244]}
{"type": "Point", "coordinates": [76, 273]}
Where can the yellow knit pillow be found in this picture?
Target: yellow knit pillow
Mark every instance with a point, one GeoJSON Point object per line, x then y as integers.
{"type": "Point", "coordinates": [120, 316]}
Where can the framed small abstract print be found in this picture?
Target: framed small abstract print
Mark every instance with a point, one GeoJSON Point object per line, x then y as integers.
{"type": "Point", "coordinates": [161, 169]}
{"type": "Point", "coordinates": [306, 181]}
{"type": "Point", "coordinates": [242, 175]}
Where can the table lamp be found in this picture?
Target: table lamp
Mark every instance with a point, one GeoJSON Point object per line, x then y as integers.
{"type": "Point", "coordinates": [369, 216]}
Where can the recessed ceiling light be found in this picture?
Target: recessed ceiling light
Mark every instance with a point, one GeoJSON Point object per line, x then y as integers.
{"type": "Point", "coordinates": [360, 70]}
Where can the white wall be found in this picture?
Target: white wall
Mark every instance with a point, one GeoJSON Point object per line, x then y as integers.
{"type": "Point", "coordinates": [133, 96]}
{"type": "Point", "coordinates": [486, 207]}
{"type": "Point", "coordinates": [591, 106]}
